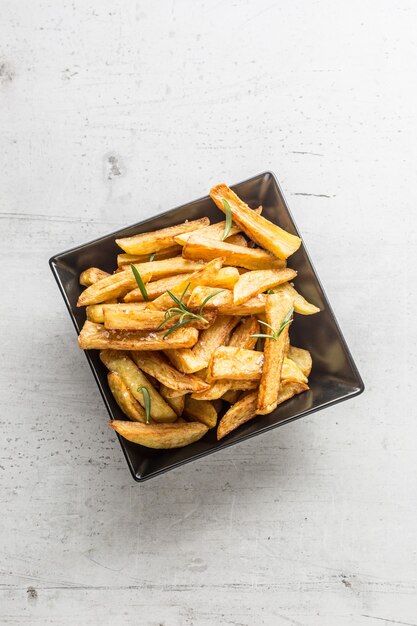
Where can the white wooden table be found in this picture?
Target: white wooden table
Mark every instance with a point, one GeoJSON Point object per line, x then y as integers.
{"type": "Point", "coordinates": [112, 111]}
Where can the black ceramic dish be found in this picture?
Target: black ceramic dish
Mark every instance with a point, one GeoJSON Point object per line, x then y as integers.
{"type": "Point", "coordinates": [334, 377]}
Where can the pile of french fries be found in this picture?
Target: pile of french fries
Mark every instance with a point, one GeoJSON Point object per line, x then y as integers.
{"type": "Point", "coordinates": [196, 318]}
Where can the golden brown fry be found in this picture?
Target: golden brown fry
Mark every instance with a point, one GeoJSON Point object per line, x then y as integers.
{"type": "Point", "coordinates": [251, 284]}
{"type": "Point", "coordinates": [237, 240]}
{"type": "Point", "coordinates": [226, 278]}
{"type": "Point", "coordinates": [124, 260]}
{"type": "Point", "coordinates": [125, 399]}
{"type": "Point", "coordinates": [114, 286]}
{"type": "Point", "coordinates": [156, 288]}
{"type": "Point", "coordinates": [96, 337]}
{"type": "Point", "coordinates": [155, 364]}
{"type": "Point", "coordinates": [230, 363]}
{"type": "Point", "coordinates": [92, 275]}
{"type": "Point", "coordinates": [160, 436]}
{"type": "Point", "coordinates": [214, 231]}
{"type": "Point", "coordinates": [302, 358]}
{"type": "Point", "coordinates": [263, 232]}
{"type": "Point", "coordinates": [291, 372]}
{"type": "Point", "coordinates": [245, 408]}
{"type": "Point", "coordinates": [176, 403]}
{"type": "Point", "coordinates": [276, 308]}
{"type": "Point", "coordinates": [134, 378]}
{"type": "Point", "coordinates": [219, 388]}
{"type": "Point", "coordinates": [200, 411]}
{"type": "Point", "coordinates": [200, 277]}
{"type": "Point", "coordinates": [232, 396]}
{"type": "Point", "coordinates": [118, 318]}
{"type": "Point", "coordinates": [199, 294]}
{"type": "Point", "coordinates": [200, 247]}
{"type": "Point", "coordinates": [300, 304]}
{"type": "Point", "coordinates": [254, 306]}
{"type": "Point", "coordinates": [148, 243]}
{"type": "Point", "coordinates": [185, 360]}
{"type": "Point", "coordinates": [213, 337]}
{"type": "Point", "coordinates": [95, 312]}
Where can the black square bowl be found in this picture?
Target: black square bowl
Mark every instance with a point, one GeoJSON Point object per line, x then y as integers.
{"type": "Point", "coordinates": [334, 376]}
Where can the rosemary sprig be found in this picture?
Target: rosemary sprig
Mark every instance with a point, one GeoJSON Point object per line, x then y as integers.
{"type": "Point", "coordinates": [185, 316]}
{"type": "Point", "coordinates": [229, 219]}
{"type": "Point", "coordinates": [275, 333]}
{"type": "Point", "coordinates": [139, 282]}
{"type": "Point", "coordinates": [152, 257]}
{"type": "Point", "coordinates": [146, 401]}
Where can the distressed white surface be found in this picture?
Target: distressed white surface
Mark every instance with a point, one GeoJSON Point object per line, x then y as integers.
{"type": "Point", "coordinates": [314, 524]}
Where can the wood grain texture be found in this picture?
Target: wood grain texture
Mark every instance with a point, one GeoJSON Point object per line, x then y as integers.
{"type": "Point", "coordinates": [105, 106]}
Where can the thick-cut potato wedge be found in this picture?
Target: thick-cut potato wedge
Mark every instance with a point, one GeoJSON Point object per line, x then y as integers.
{"type": "Point", "coordinates": [263, 232]}
{"type": "Point", "coordinates": [168, 267]}
{"type": "Point", "coordinates": [124, 260]}
{"type": "Point", "coordinates": [125, 399]}
{"type": "Point", "coordinates": [199, 294]}
{"type": "Point", "coordinates": [230, 363]}
{"type": "Point", "coordinates": [133, 377]}
{"type": "Point", "coordinates": [156, 288]}
{"type": "Point", "coordinates": [160, 436]}
{"type": "Point", "coordinates": [200, 411]}
{"type": "Point", "coordinates": [176, 403]}
{"type": "Point", "coordinates": [214, 231]}
{"type": "Point", "coordinates": [245, 408]}
{"type": "Point", "coordinates": [92, 275]}
{"type": "Point", "coordinates": [114, 286]}
{"type": "Point", "coordinates": [219, 388]}
{"type": "Point", "coordinates": [156, 364]}
{"type": "Point", "coordinates": [200, 277]}
{"type": "Point", "coordinates": [118, 318]}
{"type": "Point", "coordinates": [95, 312]}
{"type": "Point", "coordinates": [302, 358]}
{"type": "Point", "coordinates": [237, 240]}
{"type": "Point", "coordinates": [276, 308]}
{"type": "Point", "coordinates": [254, 306]}
{"type": "Point", "coordinates": [213, 337]}
{"type": "Point", "coordinates": [300, 304]}
{"type": "Point", "coordinates": [226, 277]}
{"type": "Point", "coordinates": [185, 361]}
{"type": "Point", "coordinates": [96, 337]}
{"type": "Point", "coordinates": [291, 372]}
{"type": "Point", "coordinates": [200, 247]}
{"type": "Point", "coordinates": [232, 396]}
{"type": "Point", "coordinates": [250, 284]}
{"type": "Point", "coordinates": [147, 243]}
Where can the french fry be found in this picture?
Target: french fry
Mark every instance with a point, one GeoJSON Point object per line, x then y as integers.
{"type": "Point", "coordinates": [156, 364]}
{"type": "Point", "coordinates": [125, 399]}
{"type": "Point", "coordinates": [232, 396]}
{"type": "Point", "coordinates": [124, 260]}
{"type": "Point", "coordinates": [185, 360]}
{"type": "Point", "coordinates": [96, 337]}
{"type": "Point", "coordinates": [200, 411]}
{"type": "Point", "coordinates": [276, 309]}
{"type": "Point", "coordinates": [200, 247]}
{"type": "Point", "coordinates": [156, 288]}
{"type": "Point", "coordinates": [245, 408]}
{"type": "Point", "coordinates": [197, 278]}
{"type": "Point", "coordinates": [263, 232]}
{"type": "Point", "coordinates": [118, 318]}
{"type": "Point", "coordinates": [230, 363]}
{"type": "Point", "coordinates": [302, 358]}
{"type": "Point", "coordinates": [291, 372]}
{"type": "Point", "coordinates": [148, 243]}
{"type": "Point", "coordinates": [95, 313]}
{"type": "Point", "coordinates": [160, 436]}
{"type": "Point", "coordinates": [300, 304]}
{"type": "Point", "coordinates": [254, 306]}
{"type": "Point", "coordinates": [251, 284]}
{"type": "Point", "coordinates": [213, 337]}
{"type": "Point", "coordinates": [134, 378]}
{"type": "Point", "coordinates": [92, 275]}
{"type": "Point", "coordinates": [214, 231]}
{"type": "Point", "coordinates": [199, 294]}
{"type": "Point", "coordinates": [114, 286]}
{"type": "Point", "coordinates": [219, 388]}
{"type": "Point", "coordinates": [176, 403]}
{"type": "Point", "coordinates": [168, 267]}
{"type": "Point", "coordinates": [226, 277]}
{"type": "Point", "coordinates": [237, 240]}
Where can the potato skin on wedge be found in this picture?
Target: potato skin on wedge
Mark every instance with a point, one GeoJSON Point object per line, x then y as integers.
{"type": "Point", "coordinates": [160, 436]}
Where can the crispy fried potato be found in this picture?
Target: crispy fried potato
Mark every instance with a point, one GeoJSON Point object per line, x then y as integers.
{"type": "Point", "coordinates": [125, 399]}
{"type": "Point", "coordinates": [226, 277]}
{"type": "Point", "coordinates": [118, 318]}
{"type": "Point", "coordinates": [200, 411]}
{"type": "Point", "coordinates": [245, 408]}
{"type": "Point", "coordinates": [219, 388]}
{"type": "Point", "coordinates": [199, 294]}
{"type": "Point", "coordinates": [92, 275]}
{"type": "Point", "coordinates": [276, 308]}
{"type": "Point", "coordinates": [254, 306]}
{"type": "Point", "coordinates": [200, 277]}
{"type": "Point", "coordinates": [96, 337]}
{"type": "Point", "coordinates": [114, 286]}
{"type": "Point", "coordinates": [176, 403]}
{"type": "Point", "coordinates": [213, 337]}
{"type": "Point", "coordinates": [156, 364]}
{"type": "Point", "coordinates": [200, 247]}
{"type": "Point", "coordinates": [230, 363]}
{"type": "Point", "coordinates": [95, 313]}
{"type": "Point", "coordinates": [134, 378]}
{"type": "Point", "coordinates": [251, 284]}
{"type": "Point", "coordinates": [156, 288]}
{"type": "Point", "coordinates": [148, 243]}
{"type": "Point", "coordinates": [232, 396]}
{"type": "Point", "coordinates": [302, 358]}
{"type": "Point", "coordinates": [160, 436]}
{"type": "Point", "coordinates": [124, 260]}
{"type": "Point", "coordinates": [291, 372]}
{"type": "Point", "coordinates": [237, 240]}
{"type": "Point", "coordinates": [263, 232]}
{"type": "Point", "coordinates": [300, 304]}
{"type": "Point", "coordinates": [185, 360]}
{"type": "Point", "coordinates": [214, 231]}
